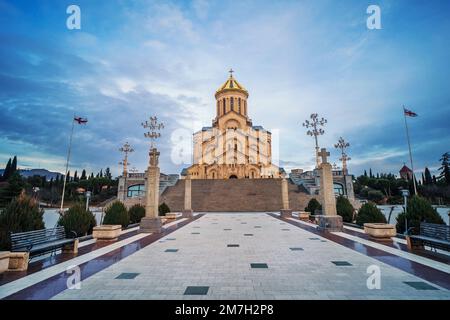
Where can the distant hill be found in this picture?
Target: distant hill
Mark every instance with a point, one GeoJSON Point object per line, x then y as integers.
{"type": "Point", "coordinates": [37, 172]}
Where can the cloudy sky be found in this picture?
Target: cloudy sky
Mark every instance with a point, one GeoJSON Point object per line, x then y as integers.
{"type": "Point", "coordinates": [134, 59]}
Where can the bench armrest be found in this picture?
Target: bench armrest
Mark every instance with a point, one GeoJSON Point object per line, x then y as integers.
{"type": "Point", "coordinates": [74, 234]}
{"type": "Point", "coordinates": [408, 232]}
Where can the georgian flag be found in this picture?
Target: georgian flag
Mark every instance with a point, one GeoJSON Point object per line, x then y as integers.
{"type": "Point", "coordinates": [409, 113]}
{"type": "Point", "coordinates": [80, 120]}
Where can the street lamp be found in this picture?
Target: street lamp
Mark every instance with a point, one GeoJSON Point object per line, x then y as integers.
{"type": "Point", "coordinates": [342, 145]}
{"type": "Point", "coordinates": [126, 149]}
{"type": "Point", "coordinates": [405, 194]}
{"type": "Point", "coordinates": [154, 127]}
{"type": "Point", "coordinates": [315, 131]}
{"type": "Point", "coordinates": [88, 196]}
{"type": "Point", "coordinates": [36, 191]}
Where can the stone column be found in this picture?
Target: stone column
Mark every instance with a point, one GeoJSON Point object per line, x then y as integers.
{"type": "Point", "coordinates": [151, 223]}
{"type": "Point", "coordinates": [285, 212]}
{"type": "Point", "coordinates": [187, 212]}
{"type": "Point", "coordinates": [329, 220]}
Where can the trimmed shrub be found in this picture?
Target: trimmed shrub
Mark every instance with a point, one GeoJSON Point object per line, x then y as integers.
{"type": "Point", "coordinates": [20, 215]}
{"type": "Point", "coordinates": [77, 219]}
{"type": "Point", "coordinates": [344, 208]}
{"type": "Point", "coordinates": [375, 195]}
{"type": "Point", "coordinates": [117, 213]}
{"type": "Point", "coordinates": [313, 205]}
{"type": "Point", "coordinates": [418, 210]}
{"type": "Point", "coordinates": [163, 209]}
{"type": "Point", "coordinates": [369, 213]}
{"type": "Point", "coordinates": [136, 212]}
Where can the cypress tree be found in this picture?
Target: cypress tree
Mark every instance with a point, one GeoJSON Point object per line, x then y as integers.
{"type": "Point", "coordinates": [14, 165]}
{"type": "Point", "coordinates": [428, 178]}
{"type": "Point", "coordinates": [7, 172]}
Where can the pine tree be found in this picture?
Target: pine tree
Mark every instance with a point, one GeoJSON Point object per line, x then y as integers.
{"type": "Point", "coordinates": [83, 175]}
{"type": "Point", "coordinates": [445, 168]}
{"type": "Point", "coordinates": [428, 178]}
{"type": "Point", "coordinates": [101, 173]}
{"type": "Point", "coordinates": [14, 165]}
{"type": "Point", "coordinates": [434, 179]}
{"type": "Point", "coordinates": [75, 176]}
{"type": "Point", "coordinates": [370, 173]}
{"type": "Point", "coordinates": [68, 177]}
{"type": "Point", "coordinates": [365, 173]}
{"type": "Point", "coordinates": [7, 172]}
{"type": "Point", "coordinates": [108, 173]}
{"type": "Point", "coordinates": [91, 176]}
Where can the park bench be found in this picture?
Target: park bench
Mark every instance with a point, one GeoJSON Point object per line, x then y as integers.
{"type": "Point", "coordinates": [42, 241]}
{"type": "Point", "coordinates": [436, 236]}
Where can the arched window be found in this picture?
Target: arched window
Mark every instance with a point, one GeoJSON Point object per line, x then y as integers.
{"type": "Point", "coordinates": [232, 103]}
{"type": "Point", "coordinates": [135, 191]}
{"type": "Point", "coordinates": [338, 189]}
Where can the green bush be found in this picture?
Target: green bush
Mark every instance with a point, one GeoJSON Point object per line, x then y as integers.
{"type": "Point", "coordinates": [163, 209]}
{"type": "Point", "coordinates": [344, 208]}
{"type": "Point", "coordinates": [20, 215]}
{"type": "Point", "coordinates": [136, 212]}
{"type": "Point", "coordinates": [369, 213]}
{"type": "Point", "coordinates": [418, 210]}
{"type": "Point", "coordinates": [375, 196]}
{"type": "Point", "coordinates": [313, 205]}
{"type": "Point", "coordinates": [77, 219]}
{"type": "Point", "coordinates": [117, 213]}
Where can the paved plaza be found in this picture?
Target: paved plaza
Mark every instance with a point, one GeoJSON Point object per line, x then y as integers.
{"type": "Point", "coordinates": [249, 256]}
{"type": "Point", "coordinates": [234, 256]}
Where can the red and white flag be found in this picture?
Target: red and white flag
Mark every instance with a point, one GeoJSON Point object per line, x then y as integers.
{"type": "Point", "coordinates": [409, 113]}
{"type": "Point", "coordinates": [80, 120]}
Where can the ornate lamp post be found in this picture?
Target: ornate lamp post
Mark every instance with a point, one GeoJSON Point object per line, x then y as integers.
{"type": "Point", "coordinates": [342, 145]}
{"type": "Point", "coordinates": [126, 149]}
{"type": "Point", "coordinates": [154, 128]}
{"type": "Point", "coordinates": [315, 131]}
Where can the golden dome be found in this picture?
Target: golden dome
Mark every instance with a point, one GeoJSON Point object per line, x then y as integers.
{"type": "Point", "coordinates": [232, 85]}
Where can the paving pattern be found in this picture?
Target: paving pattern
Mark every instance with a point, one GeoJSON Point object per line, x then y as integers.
{"type": "Point", "coordinates": [216, 257]}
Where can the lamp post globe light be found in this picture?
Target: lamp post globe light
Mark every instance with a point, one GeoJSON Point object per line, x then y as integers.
{"type": "Point", "coordinates": [314, 130]}
{"type": "Point", "coordinates": [343, 145]}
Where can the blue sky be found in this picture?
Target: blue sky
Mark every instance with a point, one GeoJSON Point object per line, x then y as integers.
{"type": "Point", "coordinates": [133, 59]}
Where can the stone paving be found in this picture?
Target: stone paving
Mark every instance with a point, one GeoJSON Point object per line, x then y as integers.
{"type": "Point", "coordinates": [248, 256]}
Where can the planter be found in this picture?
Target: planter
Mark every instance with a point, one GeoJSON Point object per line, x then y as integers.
{"type": "Point", "coordinates": [18, 261]}
{"type": "Point", "coordinates": [171, 215]}
{"type": "Point", "coordinates": [107, 232]}
{"type": "Point", "coordinates": [4, 261]}
{"type": "Point", "coordinates": [303, 215]}
{"type": "Point", "coordinates": [380, 231]}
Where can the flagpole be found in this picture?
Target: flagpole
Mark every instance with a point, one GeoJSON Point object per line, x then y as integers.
{"type": "Point", "coordinates": [67, 166]}
{"type": "Point", "coordinates": [410, 153]}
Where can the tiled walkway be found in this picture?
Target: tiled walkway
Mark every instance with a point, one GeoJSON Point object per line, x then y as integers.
{"type": "Point", "coordinates": [253, 256]}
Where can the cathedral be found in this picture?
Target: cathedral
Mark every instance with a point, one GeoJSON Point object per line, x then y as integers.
{"type": "Point", "coordinates": [232, 148]}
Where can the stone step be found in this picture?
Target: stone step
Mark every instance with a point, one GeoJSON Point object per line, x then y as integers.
{"type": "Point", "coordinates": [235, 195]}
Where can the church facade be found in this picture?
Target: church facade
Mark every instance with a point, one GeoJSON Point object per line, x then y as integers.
{"type": "Point", "coordinates": [232, 148]}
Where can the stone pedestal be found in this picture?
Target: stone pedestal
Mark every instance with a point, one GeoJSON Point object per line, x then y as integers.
{"type": "Point", "coordinates": [107, 232]}
{"type": "Point", "coordinates": [151, 225]}
{"type": "Point", "coordinates": [329, 220]}
{"type": "Point", "coordinates": [187, 214]}
{"type": "Point", "coordinates": [18, 261]}
{"type": "Point", "coordinates": [4, 261]}
{"type": "Point", "coordinates": [330, 223]}
{"type": "Point", "coordinates": [380, 231]}
{"type": "Point", "coordinates": [285, 212]}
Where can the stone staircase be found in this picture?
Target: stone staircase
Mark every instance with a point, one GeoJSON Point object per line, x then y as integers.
{"type": "Point", "coordinates": [234, 195]}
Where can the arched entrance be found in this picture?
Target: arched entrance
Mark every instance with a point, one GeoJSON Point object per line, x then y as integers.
{"type": "Point", "coordinates": [233, 176]}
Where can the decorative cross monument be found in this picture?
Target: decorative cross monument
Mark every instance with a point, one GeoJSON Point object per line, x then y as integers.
{"type": "Point", "coordinates": [187, 212]}
{"type": "Point", "coordinates": [329, 220]}
{"type": "Point", "coordinates": [285, 212]}
{"type": "Point", "coordinates": [151, 223]}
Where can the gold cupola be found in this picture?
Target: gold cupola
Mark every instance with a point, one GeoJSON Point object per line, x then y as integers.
{"type": "Point", "coordinates": [231, 85]}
